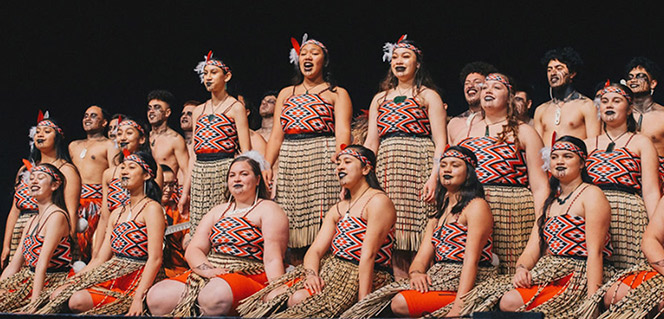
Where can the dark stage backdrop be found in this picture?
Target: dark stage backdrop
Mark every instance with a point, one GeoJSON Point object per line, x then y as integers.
{"type": "Point", "coordinates": [65, 58]}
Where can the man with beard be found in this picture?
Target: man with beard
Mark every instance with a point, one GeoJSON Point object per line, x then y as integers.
{"type": "Point", "coordinates": [91, 156]}
{"type": "Point", "coordinates": [568, 112]}
{"type": "Point", "coordinates": [523, 102]}
{"type": "Point", "coordinates": [472, 78]}
{"type": "Point", "coordinates": [168, 147]}
{"type": "Point", "coordinates": [186, 122]}
{"type": "Point", "coordinates": [642, 74]}
{"type": "Point", "coordinates": [266, 111]}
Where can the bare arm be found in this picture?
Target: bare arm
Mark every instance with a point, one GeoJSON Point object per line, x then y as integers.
{"type": "Point", "coordinates": [381, 216]}
{"type": "Point", "coordinates": [537, 120]}
{"type": "Point", "coordinates": [56, 228]}
{"type": "Point", "coordinates": [536, 176]}
{"type": "Point", "coordinates": [104, 213]}
{"type": "Point", "coordinates": [183, 205]}
{"type": "Point", "coordinates": [419, 280]}
{"type": "Point", "coordinates": [12, 217]}
{"type": "Point", "coordinates": [649, 174]}
{"type": "Point", "coordinates": [438, 120]}
{"type": "Point", "coordinates": [277, 134]}
{"type": "Point", "coordinates": [593, 126]}
{"type": "Point", "coordinates": [274, 225]}
{"type": "Point", "coordinates": [199, 246]}
{"type": "Point", "coordinates": [72, 195]}
{"type": "Point", "coordinates": [343, 114]}
{"type": "Point", "coordinates": [372, 141]}
{"type": "Point", "coordinates": [181, 153]}
{"type": "Point", "coordinates": [323, 241]}
{"type": "Point", "coordinates": [598, 217]}
{"type": "Point", "coordinates": [239, 114]}
{"type": "Point", "coordinates": [652, 244]}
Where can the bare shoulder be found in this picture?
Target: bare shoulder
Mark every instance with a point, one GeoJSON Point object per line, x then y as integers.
{"type": "Point", "coordinates": [287, 91]}
{"type": "Point", "coordinates": [380, 201]}
{"type": "Point", "coordinates": [68, 169]}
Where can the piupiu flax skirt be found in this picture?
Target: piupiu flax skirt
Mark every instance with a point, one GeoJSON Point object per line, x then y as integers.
{"type": "Point", "coordinates": [339, 293]}
{"type": "Point", "coordinates": [23, 218]}
{"type": "Point", "coordinates": [208, 188]}
{"type": "Point", "coordinates": [306, 185]}
{"type": "Point", "coordinates": [629, 219]}
{"type": "Point", "coordinates": [403, 167]}
{"type": "Point", "coordinates": [18, 289]}
{"type": "Point", "coordinates": [513, 219]}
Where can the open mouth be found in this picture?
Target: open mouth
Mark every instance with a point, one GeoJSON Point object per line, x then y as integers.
{"type": "Point", "coordinates": [633, 85]}
{"type": "Point", "coordinates": [400, 68]}
{"type": "Point", "coordinates": [308, 66]}
{"type": "Point", "coordinates": [489, 98]}
{"type": "Point", "coordinates": [208, 83]}
{"type": "Point", "coordinates": [341, 175]}
{"type": "Point", "coordinates": [610, 112]}
{"type": "Point", "coordinates": [471, 91]}
{"type": "Point", "coordinates": [561, 168]}
{"type": "Point", "coordinates": [123, 144]}
{"type": "Point", "coordinates": [554, 79]}
{"type": "Point", "coordinates": [34, 188]}
{"type": "Point", "coordinates": [237, 185]}
{"type": "Point", "coordinates": [447, 176]}
{"type": "Point", "coordinates": [40, 140]}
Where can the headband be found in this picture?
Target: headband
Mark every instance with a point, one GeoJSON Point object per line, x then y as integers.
{"type": "Point", "coordinates": [456, 154]}
{"type": "Point", "coordinates": [134, 158]}
{"type": "Point", "coordinates": [210, 60]}
{"type": "Point", "coordinates": [608, 88]}
{"type": "Point", "coordinates": [500, 78]}
{"type": "Point", "coordinates": [133, 124]}
{"type": "Point", "coordinates": [44, 169]}
{"type": "Point", "coordinates": [388, 48]}
{"type": "Point", "coordinates": [567, 146]}
{"type": "Point", "coordinates": [294, 56]}
{"type": "Point", "coordinates": [50, 124]}
{"type": "Point", "coordinates": [356, 154]}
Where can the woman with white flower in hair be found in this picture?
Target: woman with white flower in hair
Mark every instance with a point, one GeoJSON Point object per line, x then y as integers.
{"type": "Point", "coordinates": [47, 145]}
{"type": "Point", "coordinates": [221, 130]}
{"type": "Point", "coordinates": [313, 116]}
{"type": "Point", "coordinates": [238, 247]}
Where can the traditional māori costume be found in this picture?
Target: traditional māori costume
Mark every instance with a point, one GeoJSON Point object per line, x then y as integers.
{"type": "Point", "coordinates": [237, 246]}
{"type": "Point", "coordinates": [306, 184]}
{"type": "Point", "coordinates": [88, 210]}
{"type": "Point", "coordinates": [113, 283]}
{"type": "Point", "coordinates": [173, 259]}
{"type": "Point", "coordinates": [449, 242]}
{"type": "Point", "coordinates": [339, 271]}
{"type": "Point", "coordinates": [560, 281]}
{"type": "Point", "coordinates": [117, 195]}
{"type": "Point", "coordinates": [215, 145]}
{"type": "Point", "coordinates": [502, 171]}
{"type": "Point", "coordinates": [661, 172]}
{"type": "Point", "coordinates": [404, 164]}
{"type": "Point", "coordinates": [18, 288]}
{"type": "Point", "coordinates": [27, 207]}
{"type": "Point", "coordinates": [618, 174]}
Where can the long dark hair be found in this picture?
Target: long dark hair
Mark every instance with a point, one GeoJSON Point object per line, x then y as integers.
{"type": "Point", "coordinates": [512, 125]}
{"type": "Point", "coordinates": [145, 147]}
{"type": "Point", "coordinates": [422, 77]}
{"type": "Point", "coordinates": [61, 150]}
{"type": "Point", "coordinates": [631, 122]}
{"type": "Point", "coordinates": [152, 189]}
{"type": "Point", "coordinates": [58, 195]}
{"type": "Point", "coordinates": [470, 189]}
{"type": "Point", "coordinates": [554, 185]}
{"type": "Point", "coordinates": [256, 169]}
{"type": "Point", "coordinates": [371, 178]}
{"type": "Point", "coordinates": [298, 77]}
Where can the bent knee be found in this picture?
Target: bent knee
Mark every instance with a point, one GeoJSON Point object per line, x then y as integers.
{"type": "Point", "coordinates": [298, 297]}
{"type": "Point", "coordinates": [161, 301]}
{"type": "Point", "coordinates": [400, 306]}
{"type": "Point", "coordinates": [80, 301]}
{"type": "Point", "coordinates": [511, 301]}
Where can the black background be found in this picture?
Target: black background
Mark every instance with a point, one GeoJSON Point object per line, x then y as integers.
{"type": "Point", "coordinates": [65, 58]}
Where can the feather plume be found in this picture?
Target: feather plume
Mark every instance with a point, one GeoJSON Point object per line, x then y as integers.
{"type": "Point", "coordinates": [403, 37]}
{"type": "Point", "coordinates": [40, 116]}
{"type": "Point", "coordinates": [125, 152]}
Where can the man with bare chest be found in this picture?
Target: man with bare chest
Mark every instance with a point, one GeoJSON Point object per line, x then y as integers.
{"type": "Point", "coordinates": [168, 147]}
{"type": "Point", "coordinates": [568, 112]}
{"type": "Point", "coordinates": [472, 78]}
{"type": "Point", "coordinates": [642, 74]}
{"type": "Point", "coordinates": [91, 156]}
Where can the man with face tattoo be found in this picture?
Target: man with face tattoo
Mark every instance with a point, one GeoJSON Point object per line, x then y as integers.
{"type": "Point", "coordinates": [472, 78]}
{"type": "Point", "coordinates": [642, 74]}
{"type": "Point", "coordinates": [186, 123]}
{"type": "Point", "coordinates": [568, 112]}
{"type": "Point", "coordinates": [91, 156]}
{"type": "Point", "coordinates": [168, 147]}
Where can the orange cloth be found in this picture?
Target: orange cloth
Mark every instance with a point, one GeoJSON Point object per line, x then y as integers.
{"type": "Point", "coordinates": [241, 285]}
{"type": "Point", "coordinates": [419, 303]}
{"type": "Point", "coordinates": [634, 280]}
{"type": "Point", "coordinates": [89, 206]}
{"type": "Point", "coordinates": [126, 284]}
{"type": "Point", "coordinates": [548, 292]}
{"type": "Point", "coordinates": [174, 261]}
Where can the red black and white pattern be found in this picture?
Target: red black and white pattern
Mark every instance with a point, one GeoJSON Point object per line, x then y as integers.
{"type": "Point", "coordinates": [349, 237]}
{"type": "Point", "coordinates": [661, 171]}
{"type": "Point", "coordinates": [498, 163]}
{"type": "Point", "coordinates": [307, 113]}
{"type": "Point", "coordinates": [32, 246]}
{"type": "Point", "coordinates": [620, 167]}
{"type": "Point", "coordinates": [129, 239]}
{"type": "Point", "coordinates": [405, 117]}
{"type": "Point", "coordinates": [449, 242]}
{"type": "Point", "coordinates": [22, 196]}
{"type": "Point", "coordinates": [117, 195]}
{"type": "Point", "coordinates": [565, 235]}
{"type": "Point", "coordinates": [215, 133]}
{"type": "Point", "coordinates": [91, 191]}
{"type": "Point", "coordinates": [237, 236]}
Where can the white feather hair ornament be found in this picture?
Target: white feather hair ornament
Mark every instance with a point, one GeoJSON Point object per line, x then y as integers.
{"type": "Point", "coordinates": [200, 67]}
{"type": "Point", "coordinates": [294, 54]}
{"type": "Point", "coordinates": [545, 153]}
{"type": "Point", "coordinates": [388, 48]}
{"type": "Point", "coordinates": [33, 130]}
{"type": "Point", "coordinates": [256, 156]}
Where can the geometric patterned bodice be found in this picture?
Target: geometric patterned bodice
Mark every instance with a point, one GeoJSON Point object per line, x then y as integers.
{"type": "Point", "coordinates": [307, 113]}
{"type": "Point", "coordinates": [565, 235]}
{"type": "Point", "coordinates": [237, 236]}
{"type": "Point", "coordinates": [405, 117]}
{"type": "Point", "coordinates": [620, 167]}
{"type": "Point", "coordinates": [61, 259]}
{"type": "Point", "coordinates": [91, 191]}
{"type": "Point", "coordinates": [215, 133]}
{"type": "Point", "coordinates": [129, 239]}
{"type": "Point", "coordinates": [117, 195]}
{"type": "Point", "coordinates": [449, 242]}
{"type": "Point", "coordinates": [349, 237]}
{"type": "Point", "coordinates": [498, 163]}
{"type": "Point", "coordinates": [22, 196]}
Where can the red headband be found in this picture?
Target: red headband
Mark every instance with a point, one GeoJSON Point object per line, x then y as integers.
{"type": "Point", "coordinates": [49, 123]}
{"type": "Point", "coordinates": [209, 60]}
{"type": "Point", "coordinates": [456, 154]}
{"type": "Point", "coordinates": [500, 78]}
{"type": "Point", "coordinates": [401, 44]}
{"type": "Point", "coordinates": [567, 146]}
{"type": "Point", "coordinates": [44, 169]}
{"type": "Point", "coordinates": [132, 124]}
{"type": "Point", "coordinates": [356, 154]}
{"type": "Point", "coordinates": [615, 89]}
{"type": "Point", "coordinates": [134, 158]}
